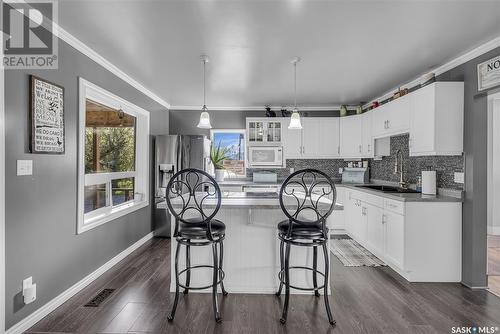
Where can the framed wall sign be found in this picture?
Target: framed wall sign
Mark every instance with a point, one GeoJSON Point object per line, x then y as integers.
{"type": "Point", "coordinates": [46, 117]}
{"type": "Point", "coordinates": [488, 74]}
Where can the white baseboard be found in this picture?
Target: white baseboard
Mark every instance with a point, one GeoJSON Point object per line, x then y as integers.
{"type": "Point", "coordinates": [43, 311]}
{"type": "Point", "coordinates": [493, 230]}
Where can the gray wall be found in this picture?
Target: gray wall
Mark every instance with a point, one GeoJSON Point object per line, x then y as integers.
{"type": "Point", "coordinates": [41, 210]}
{"type": "Point", "coordinates": [184, 122]}
{"type": "Point", "coordinates": [474, 256]}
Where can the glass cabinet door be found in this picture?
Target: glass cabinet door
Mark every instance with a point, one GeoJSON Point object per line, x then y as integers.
{"type": "Point", "coordinates": [255, 131]}
{"type": "Point", "coordinates": [273, 132]}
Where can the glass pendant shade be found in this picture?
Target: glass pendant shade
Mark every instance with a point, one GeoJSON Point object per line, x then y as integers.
{"type": "Point", "coordinates": [295, 121]}
{"type": "Point", "coordinates": [204, 120]}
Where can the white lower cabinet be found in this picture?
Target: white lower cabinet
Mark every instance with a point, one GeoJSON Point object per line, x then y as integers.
{"type": "Point", "coordinates": [419, 240]}
{"type": "Point", "coordinates": [394, 236]}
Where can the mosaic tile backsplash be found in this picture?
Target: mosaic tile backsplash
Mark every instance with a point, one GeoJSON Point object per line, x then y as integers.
{"type": "Point", "coordinates": [445, 166]}
{"type": "Point", "coordinates": [383, 170]}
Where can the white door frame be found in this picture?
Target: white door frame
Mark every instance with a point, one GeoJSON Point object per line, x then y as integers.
{"type": "Point", "coordinates": [493, 160]}
{"type": "Point", "coordinates": [2, 189]}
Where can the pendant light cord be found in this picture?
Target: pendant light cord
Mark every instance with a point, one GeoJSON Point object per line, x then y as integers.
{"type": "Point", "coordinates": [295, 85]}
{"type": "Point", "coordinates": [204, 84]}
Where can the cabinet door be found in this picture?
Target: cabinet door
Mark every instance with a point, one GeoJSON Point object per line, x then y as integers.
{"type": "Point", "coordinates": [398, 117]}
{"type": "Point", "coordinates": [350, 136]}
{"type": "Point", "coordinates": [379, 121]}
{"type": "Point", "coordinates": [375, 229]}
{"type": "Point", "coordinates": [367, 148]}
{"type": "Point", "coordinates": [329, 145]}
{"type": "Point", "coordinates": [394, 239]}
{"type": "Point", "coordinates": [422, 120]}
{"type": "Point", "coordinates": [353, 217]}
{"type": "Point", "coordinates": [273, 132]}
{"type": "Point", "coordinates": [255, 131]}
{"type": "Point", "coordinates": [310, 137]}
{"type": "Point", "coordinates": [292, 143]}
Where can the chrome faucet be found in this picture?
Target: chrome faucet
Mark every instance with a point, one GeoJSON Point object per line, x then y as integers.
{"type": "Point", "coordinates": [399, 168]}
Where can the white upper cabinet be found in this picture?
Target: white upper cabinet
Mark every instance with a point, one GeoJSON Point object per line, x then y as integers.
{"type": "Point", "coordinates": [351, 145]}
{"type": "Point", "coordinates": [319, 138]}
{"type": "Point", "coordinates": [436, 119]}
{"type": "Point", "coordinates": [367, 149]}
{"type": "Point", "coordinates": [392, 118]}
{"type": "Point", "coordinates": [329, 145]}
{"type": "Point", "coordinates": [311, 139]}
{"type": "Point", "coordinates": [264, 131]}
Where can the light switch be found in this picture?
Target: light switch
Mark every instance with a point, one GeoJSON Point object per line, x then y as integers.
{"type": "Point", "coordinates": [24, 167]}
{"type": "Point", "coordinates": [459, 177]}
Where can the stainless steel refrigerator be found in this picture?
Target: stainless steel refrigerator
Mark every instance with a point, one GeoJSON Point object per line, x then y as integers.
{"type": "Point", "coordinates": [172, 154]}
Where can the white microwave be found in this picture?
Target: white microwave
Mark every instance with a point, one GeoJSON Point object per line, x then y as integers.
{"type": "Point", "coordinates": [265, 156]}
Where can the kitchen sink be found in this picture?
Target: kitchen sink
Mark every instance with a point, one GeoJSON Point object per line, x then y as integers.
{"type": "Point", "coordinates": [387, 189]}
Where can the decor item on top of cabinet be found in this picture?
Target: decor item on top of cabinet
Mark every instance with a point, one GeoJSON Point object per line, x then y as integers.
{"type": "Point", "coordinates": [375, 104]}
{"type": "Point", "coordinates": [217, 156]}
{"type": "Point", "coordinates": [399, 93]}
{"type": "Point", "coordinates": [359, 109]}
{"type": "Point", "coordinates": [343, 110]}
{"type": "Point", "coordinates": [269, 112]}
{"type": "Point", "coordinates": [427, 79]}
{"type": "Point", "coordinates": [488, 74]}
{"type": "Point", "coordinates": [46, 117]}
{"type": "Point", "coordinates": [285, 113]}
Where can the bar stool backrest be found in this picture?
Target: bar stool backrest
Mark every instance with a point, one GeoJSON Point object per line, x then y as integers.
{"type": "Point", "coordinates": [308, 197]}
{"type": "Point", "coordinates": [187, 194]}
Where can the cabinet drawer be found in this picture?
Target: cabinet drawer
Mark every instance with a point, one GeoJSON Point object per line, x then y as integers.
{"type": "Point", "coordinates": [394, 206]}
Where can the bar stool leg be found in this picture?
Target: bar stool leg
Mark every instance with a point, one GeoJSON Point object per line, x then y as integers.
{"type": "Point", "coordinates": [281, 268]}
{"type": "Point", "coordinates": [221, 259]}
{"type": "Point", "coordinates": [327, 270]}
{"type": "Point", "coordinates": [315, 267]}
{"type": "Point", "coordinates": [287, 283]}
{"type": "Point", "coordinates": [174, 307]}
{"type": "Point", "coordinates": [188, 264]}
{"type": "Point", "coordinates": [214, 287]}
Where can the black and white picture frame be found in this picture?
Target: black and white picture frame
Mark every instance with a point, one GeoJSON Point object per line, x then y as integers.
{"type": "Point", "coordinates": [46, 117]}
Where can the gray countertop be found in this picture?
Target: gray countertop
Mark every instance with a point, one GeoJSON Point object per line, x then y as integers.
{"type": "Point", "coordinates": [446, 195]}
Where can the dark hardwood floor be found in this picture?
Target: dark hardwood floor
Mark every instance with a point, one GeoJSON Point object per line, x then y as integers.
{"type": "Point", "coordinates": [364, 300]}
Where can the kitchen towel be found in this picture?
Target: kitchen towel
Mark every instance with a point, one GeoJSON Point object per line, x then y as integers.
{"type": "Point", "coordinates": [429, 182]}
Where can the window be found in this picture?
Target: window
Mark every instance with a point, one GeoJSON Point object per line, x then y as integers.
{"type": "Point", "coordinates": [114, 137]}
{"type": "Point", "coordinates": [234, 142]}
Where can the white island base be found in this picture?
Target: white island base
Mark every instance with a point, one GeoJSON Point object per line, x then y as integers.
{"type": "Point", "coordinates": [251, 253]}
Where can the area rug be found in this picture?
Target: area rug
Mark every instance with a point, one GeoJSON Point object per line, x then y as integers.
{"type": "Point", "coordinates": [352, 254]}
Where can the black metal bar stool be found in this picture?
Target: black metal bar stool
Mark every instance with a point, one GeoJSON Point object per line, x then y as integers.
{"type": "Point", "coordinates": [187, 194]}
{"type": "Point", "coordinates": [307, 197]}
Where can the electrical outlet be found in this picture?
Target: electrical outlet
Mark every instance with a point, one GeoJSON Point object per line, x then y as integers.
{"type": "Point", "coordinates": [24, 167]}
{"type": "Point", "coordinates": [459, 177]}
{"type": "Point", "coordinates": [29, 290]}
{"type": "Point", "coordinates": [292, 170]}
{"type": "Point", "coordinates": [341, 170]}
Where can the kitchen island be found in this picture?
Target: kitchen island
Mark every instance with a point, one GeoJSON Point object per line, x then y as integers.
{"type": "Point", "coordinates": [251, 247]}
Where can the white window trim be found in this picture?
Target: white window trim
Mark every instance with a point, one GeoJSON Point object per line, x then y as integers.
{"type": "Point", "coordinates": [86, 222]}
{"type": "Point", "coordinates": [242, 131]}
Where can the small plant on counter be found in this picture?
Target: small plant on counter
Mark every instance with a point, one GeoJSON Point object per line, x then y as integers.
{"type": "Point", "coordinates": [217, 156]}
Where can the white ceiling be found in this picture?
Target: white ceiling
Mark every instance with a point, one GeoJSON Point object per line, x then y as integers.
{"type": "Point", "coordinates": [351, 51]}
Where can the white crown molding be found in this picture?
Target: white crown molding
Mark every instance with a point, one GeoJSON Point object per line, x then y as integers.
{"type": "Point", "coordinates": [259, 108]}
{"type": "Point", "coordinates": [43, 311]}
{"type": "Point", "coordinates": [476, 52]}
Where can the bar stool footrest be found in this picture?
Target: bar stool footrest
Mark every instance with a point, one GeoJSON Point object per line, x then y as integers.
{"type": "Point", "coordinates": [281, 277]}
{"type": "Point", "coordinates": [221, 274]}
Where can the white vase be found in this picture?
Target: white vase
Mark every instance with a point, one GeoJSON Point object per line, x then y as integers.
{"type": "Point", "coordinates": [219, 175]}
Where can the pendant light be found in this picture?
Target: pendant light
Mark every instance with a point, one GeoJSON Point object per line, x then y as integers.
{"type": "Point", "coordinates": [204, 116]}
{"type": "Point", "coordinates": [295, 118]}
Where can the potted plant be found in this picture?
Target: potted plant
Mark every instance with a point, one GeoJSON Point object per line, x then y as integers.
{"type": "Point", "coordinates": [217, 156]}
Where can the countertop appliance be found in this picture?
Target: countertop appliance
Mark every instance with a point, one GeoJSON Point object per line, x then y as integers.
{"type": "Point", "coordinates": [356, 175]}
{"type": "Point", "coordinates": [172, 154]}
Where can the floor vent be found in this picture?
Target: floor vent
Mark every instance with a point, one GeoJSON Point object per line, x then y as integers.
{"type": "Point", "coordinates": [101, 296]}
